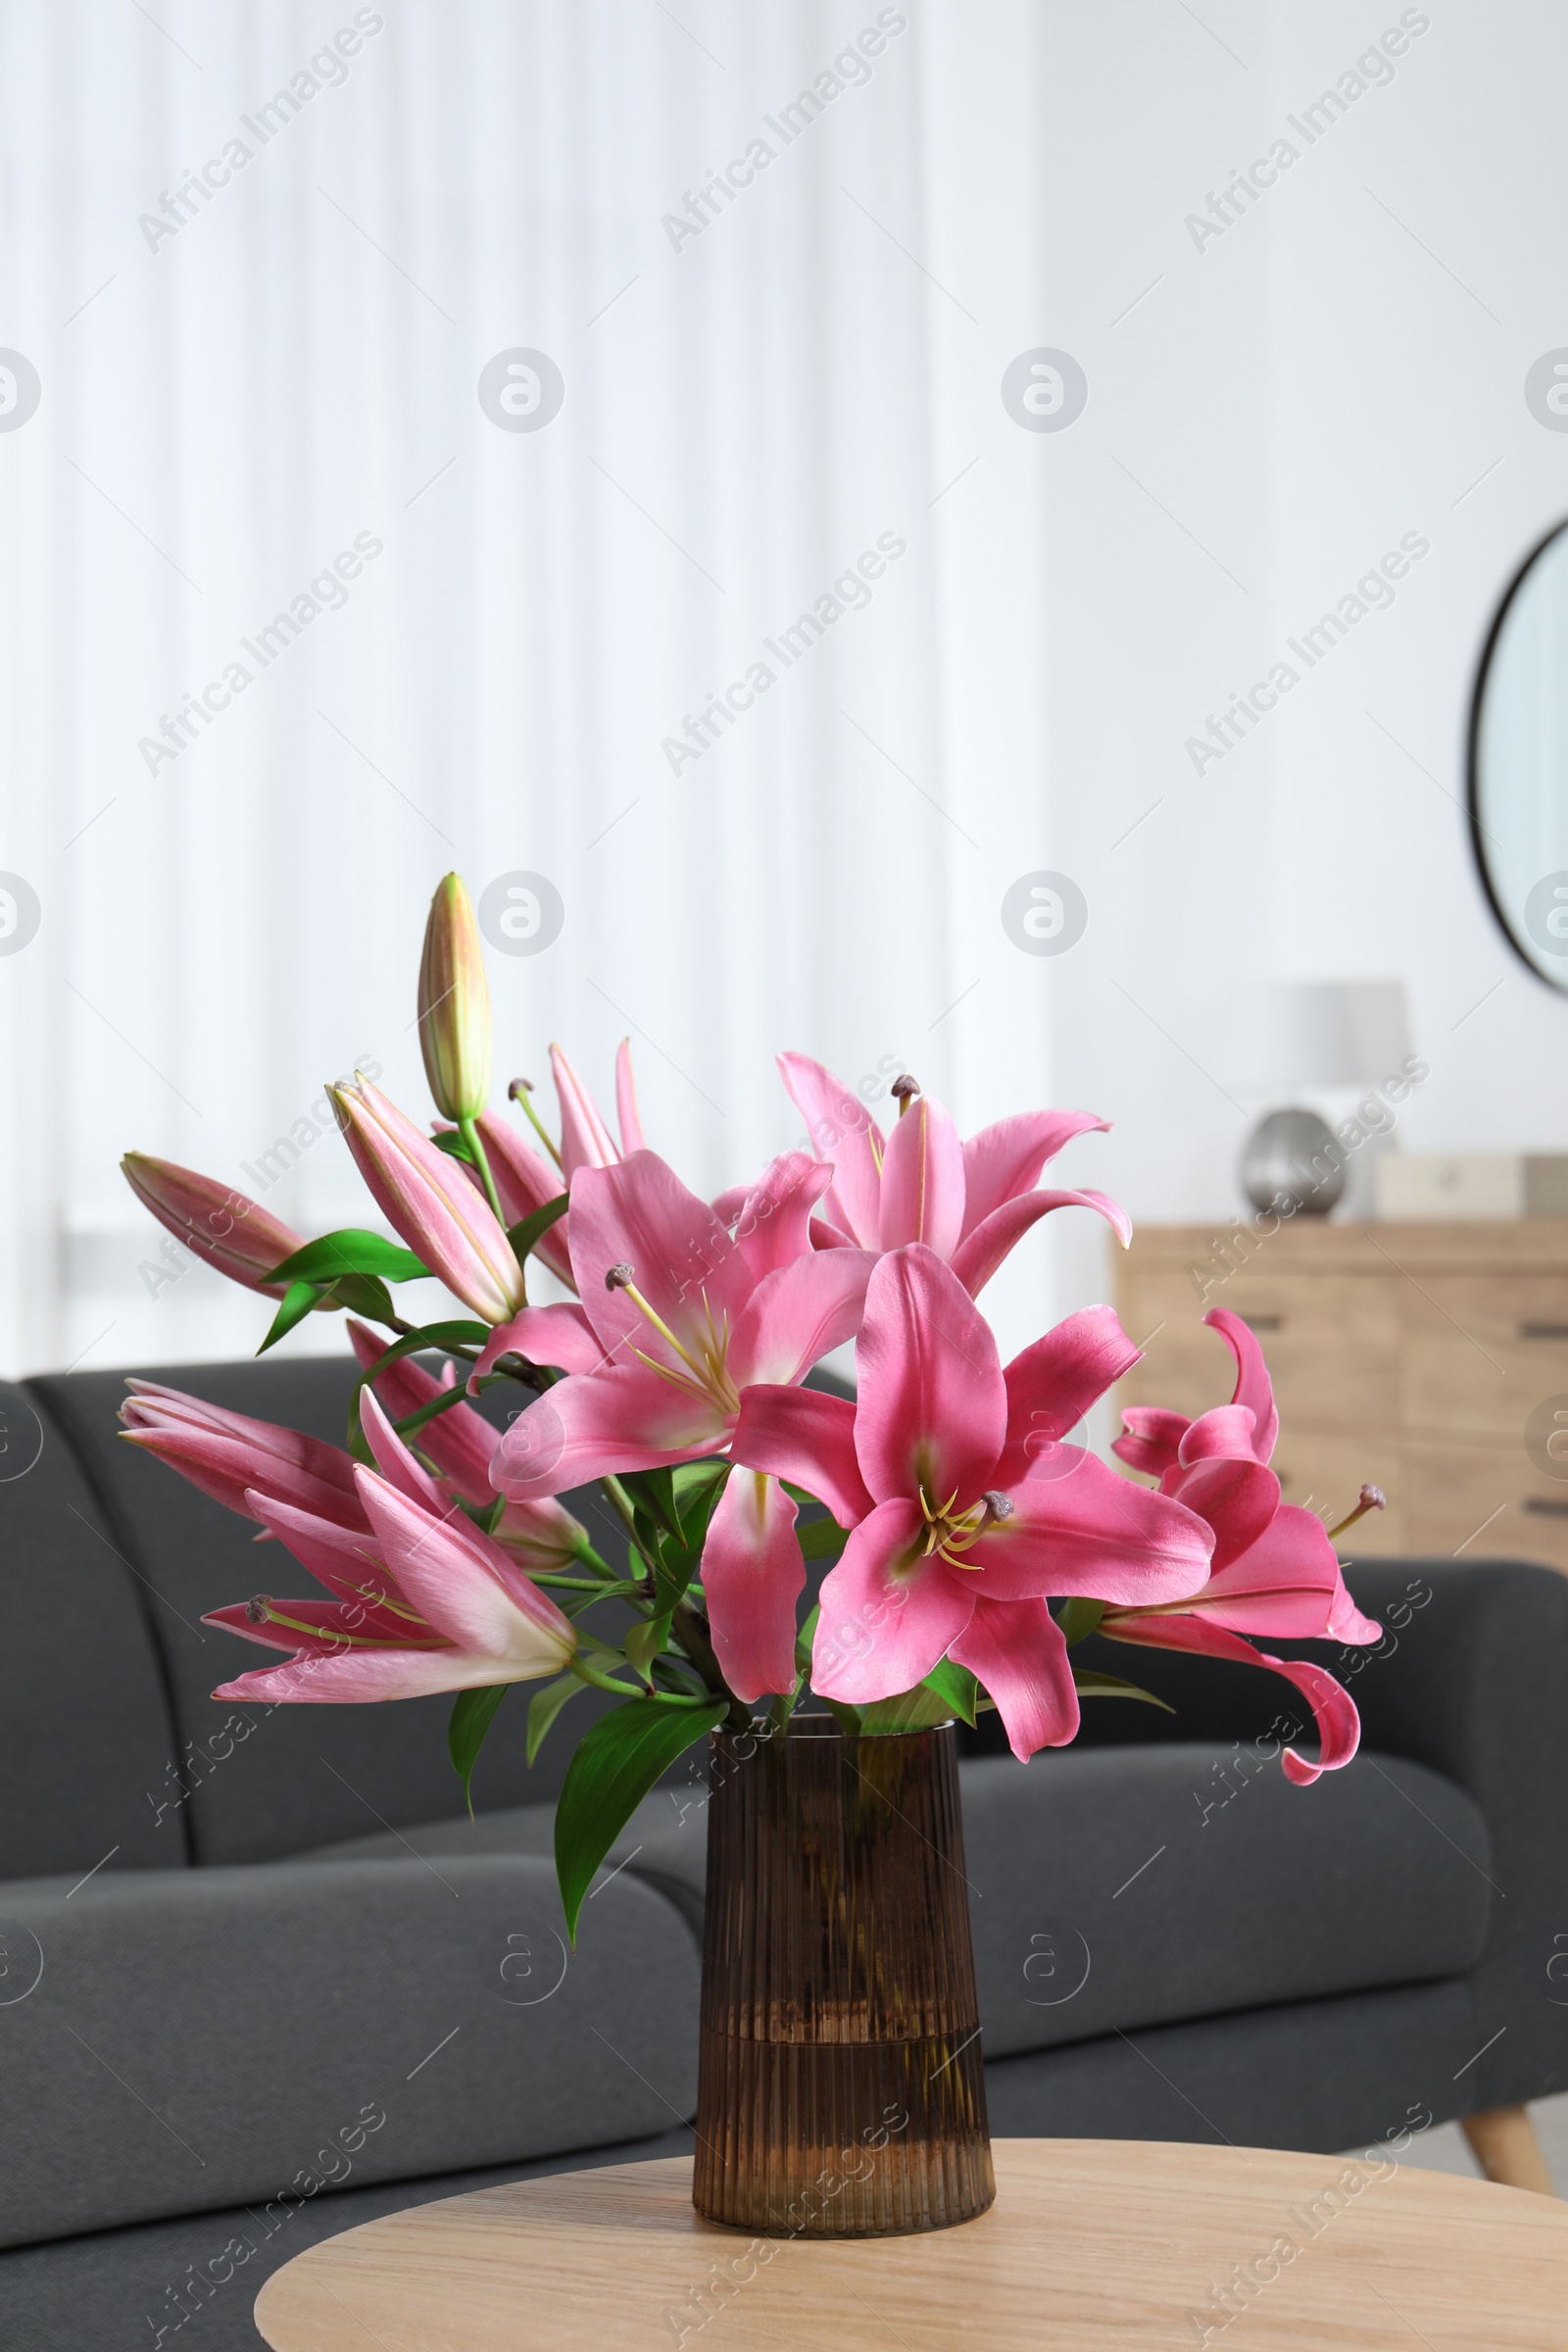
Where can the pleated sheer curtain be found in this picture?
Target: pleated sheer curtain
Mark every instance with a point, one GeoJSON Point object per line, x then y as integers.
{"type": "Point", "coordinates": [261, 312]}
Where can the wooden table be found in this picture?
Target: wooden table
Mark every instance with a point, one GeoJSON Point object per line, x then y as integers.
{"type": "Point", "coordinates": [1114, 2243]}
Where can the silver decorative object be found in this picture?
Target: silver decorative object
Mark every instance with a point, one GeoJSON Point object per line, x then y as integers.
{"type": "Point", "coordinates": [1293, 1157]}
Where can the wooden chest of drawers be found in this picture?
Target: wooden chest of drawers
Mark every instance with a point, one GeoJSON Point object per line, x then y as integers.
{"type": "Point", "coordinates": [1430, 1359]}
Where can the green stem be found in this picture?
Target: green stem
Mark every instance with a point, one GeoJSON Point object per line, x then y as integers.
{"type": "Point", "coordinates": [690, 1630]}
{"type": "Point", "coordinates": [469, 1132]}
{"type": "Point", "coordinates": [579, 1666]}
{"type": "Point", "coordinates": [621, 1504]}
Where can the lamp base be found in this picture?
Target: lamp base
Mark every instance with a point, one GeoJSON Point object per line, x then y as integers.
{"type": "Point", "coordinates": [1293, 1157]}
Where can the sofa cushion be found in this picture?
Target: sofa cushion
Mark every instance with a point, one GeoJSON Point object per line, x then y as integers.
{"type": "Point", "coordinates": [1124, 1888]}
{"type": "Point", "coordinates": [85, 1726]}
{"type": "Point", "coordinates": [1119, 1888]}
{"type": "Point", "coordinates": [195, 2039]}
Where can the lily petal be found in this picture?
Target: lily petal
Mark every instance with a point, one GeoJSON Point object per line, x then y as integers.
{"type": "Point", "coordinates": [753, 1573]}
{"type": "Point", "coordinates": [933, 1406]}
{"type": "Point", "coordinates": [1005, 1160]}
{"type": "Point", "coordinates": [348, 1678]}
{"type": "Point", "coordinates": [923, 1180]}
{"type": "Point", "coordinates": [526, 1181]}
{"type": "Point", "coordinates": [1091, 1532]}
{"type": "Point", "coordinates": [1339, 1725]}
{"type": "Point", "coordinates": [585, 1140]}
{"type": "Point", "coordinates": [807, 1438]}
{"type": "Point", "coordinates": [597, 1423]}
{"type": "Point", "coordinates": [1253, 1388]}
{"type": "Point", "coordinates": [1152, 1438]}
{"type": "Point", "coordinates": [465, 1586]}
{"type": "Point", "coordinates": [1020, 1656]}
{"type": "Point", "coordinates": [560, 1335]}
{"type": "Point", "coordinates": [798, 1314]}
{"type": "Point", "coordinates": [1282, 1583]}
{"type": "Point", "coordinates": [1239, 1498]}
{"type": "Point", "coordinates": [981, 1251]}
{"type": "Point", "coordinates": [627, 1115]}
{"type": "Point", "coordinates": [639, 1214]}
{"type": "Point", "coordinates": [773, 1221]}
{"type": "Point", "coordinates": [1052, 1385]}
{"type": "Point", "coordinates": [889, 1611]}
{"type": "Point", "coordinates": [842, 1131]}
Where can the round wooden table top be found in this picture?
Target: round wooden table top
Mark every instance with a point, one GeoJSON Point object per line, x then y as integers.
{"type": "Point", "coordinates": [1124, 2243]}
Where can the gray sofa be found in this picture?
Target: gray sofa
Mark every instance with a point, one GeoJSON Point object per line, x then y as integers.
{"type": "Point", "coordinates": [261, 1978]}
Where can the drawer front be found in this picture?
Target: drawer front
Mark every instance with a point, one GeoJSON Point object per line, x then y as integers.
{"type": "Point", "coordinates": [1481, 1352]}
{"type": "Point", "coordinates": [1331, 1343]}
{"type": "Point", "coordinates": [1485, 1502]}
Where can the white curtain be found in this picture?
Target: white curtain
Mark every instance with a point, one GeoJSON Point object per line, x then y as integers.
{"type": "Point", "coordinates": [259, 391]}
{"type": "Point", "coordinates": [242, 389]}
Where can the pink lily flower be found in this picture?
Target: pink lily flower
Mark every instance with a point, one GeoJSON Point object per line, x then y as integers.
{"type": "Point", "coordinates": [526, 1180]}
{"type": "Point", "coordinates": [957, 1540]}
{"type": "Point", "coordinates": [428, 1200]}
{"type": "Point", "coordinates": [1274, 1568]}
{"type": "Point", "coordinates": [233, 1458]}
{"type": "Point", "coordinates": [232, 1232]}
{"type": "Point", "coordinates": [422, 1602]}
{"type": "Point", "coordinates": [460, 1443]}
{"type": "Point", "coordinates": [969, 1202]}
{"type": "Point", "coordinates": [677, 1318]}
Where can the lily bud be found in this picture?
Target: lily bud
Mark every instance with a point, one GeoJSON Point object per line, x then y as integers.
{"type": "Point", "coordinates": [230, 1231]}
{"type": "Point", "coordinates": [454, 1005]}
{"type": "Point", "coordinates": [426, 1198]}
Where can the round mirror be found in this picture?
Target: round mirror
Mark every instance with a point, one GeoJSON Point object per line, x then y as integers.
{"type": "Point", "coordinates": [1519, 761]}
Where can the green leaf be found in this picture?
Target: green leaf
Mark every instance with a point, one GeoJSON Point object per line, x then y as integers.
{"type": "Point", "coordinates": [364, 1295]}
{"type": "Point", "coordinates": [653, 1491]}
{"type": "Point", "coordinates": [822, 1539]}
{"type": "Point", "coordinates": [1111, 1686]}
{"type": "Point", "coordinates": [297, 1302]}
{"type": "Point", "coordinates": [471, 1712]}
{"type": "Point", "coordinates": [530, 1230]}
{"type": "Point", "coordinates": [644, 1641]}
{"type": "Point", "coordinates": [957, 1686]}
{"type": "Point", "coordinates": [617, 1761]}
{"type": "Point", "coordinates": [803, 1639]}
{"type": "Point", "coordinates": [451, 1141]}
{"type": "Point", "coordinates": [1078, 1619]}
{"type": "Point", "coordinates": [350, 1251]}
{"type": "Point", "coordinates": [546, 1705]}
{"type": "Point", "coordinates": [916, 1711]}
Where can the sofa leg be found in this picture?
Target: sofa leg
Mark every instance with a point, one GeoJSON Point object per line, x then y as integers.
{"type": "Point", "coordinates": [1503, 2142]}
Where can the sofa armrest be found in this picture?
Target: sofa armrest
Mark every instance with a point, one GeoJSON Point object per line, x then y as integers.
{"type": "Point", "coordinates": [172, 2041]}
{"type": "Point", "coordinates": [1470, 1678]}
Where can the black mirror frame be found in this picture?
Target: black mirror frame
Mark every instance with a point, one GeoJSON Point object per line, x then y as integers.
{"type": "Point", "coordinates": [1489, 647]}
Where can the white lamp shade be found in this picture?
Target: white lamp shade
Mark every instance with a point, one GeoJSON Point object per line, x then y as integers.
{"type": "Point", "coordinates": [1323, 1033]}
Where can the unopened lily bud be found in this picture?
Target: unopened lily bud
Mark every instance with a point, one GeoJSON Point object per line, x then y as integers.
{"type": "Point", "coordinates": [454, 1005]}
{"type": "Point", "coordinates": [429, 1202]}
{"type": "Point", "coordinates": [230, 1231]}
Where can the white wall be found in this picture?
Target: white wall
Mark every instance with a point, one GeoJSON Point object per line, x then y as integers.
{"type": "Point", "coordinates": [1273, 412]}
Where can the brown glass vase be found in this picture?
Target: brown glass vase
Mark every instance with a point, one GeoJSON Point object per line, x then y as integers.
{"type": "Point", "coordinates": [841, 2091]}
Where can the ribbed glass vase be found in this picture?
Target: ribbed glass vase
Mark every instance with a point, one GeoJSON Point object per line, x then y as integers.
{"type": "Point", "coordinates": [840, 2091]}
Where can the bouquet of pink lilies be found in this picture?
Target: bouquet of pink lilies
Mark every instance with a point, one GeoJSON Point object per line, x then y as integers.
{"type": "Point", "coordinates": [975, 1544]}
